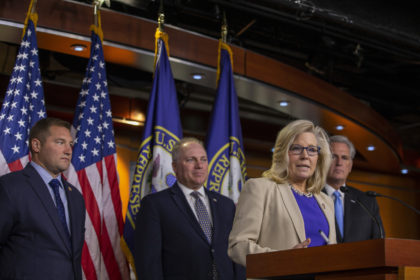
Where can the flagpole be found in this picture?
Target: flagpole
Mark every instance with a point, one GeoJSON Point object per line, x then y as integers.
{"type": "Point", "coordinates": [160, 34]}
{"type": "Point", "coordinates": [223, 45]}
{"type": "Point", "coordinates": [224, 30]}
{"type": "Point", "coordinates": [96, 27]}
{"type": "Point", "coordinates": [31, 14]}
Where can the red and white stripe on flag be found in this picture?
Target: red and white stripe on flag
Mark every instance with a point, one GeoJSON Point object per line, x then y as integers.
{"type": "Point", "coordinates": [102, 257]}
{"type": "Point", "coordinates": [94, 172]}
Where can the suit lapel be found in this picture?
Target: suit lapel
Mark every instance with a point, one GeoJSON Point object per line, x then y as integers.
{"type": "Point", "coordinates": [348, 209]}
{"type": "Point", "coordinates": [73, 213]}
{"type": "Point", "coordinates": [40, 189]}
{"type": "Point", "coordinates": [293, 210]}
{"type": "Point", "coordinates": [182, 204]}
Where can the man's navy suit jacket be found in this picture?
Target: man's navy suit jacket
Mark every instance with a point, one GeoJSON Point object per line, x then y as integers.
{"type": "Point", "coordinates": [358, 224]}
{"type": "Point", "coordinates": [33, 244]}
{"type": "Point", "coordinates": [170, 244]}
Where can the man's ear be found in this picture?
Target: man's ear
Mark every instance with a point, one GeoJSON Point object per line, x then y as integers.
{"type": "Point", "coordinates": [174, 166]}
{"type": "Point", "coordinates": [36, 145]}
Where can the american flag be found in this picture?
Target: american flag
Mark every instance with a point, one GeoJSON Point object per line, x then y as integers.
{"type": "Point", "coordinates": [94, 172]}
{"type": "Point", "coordinates": [22, 106]}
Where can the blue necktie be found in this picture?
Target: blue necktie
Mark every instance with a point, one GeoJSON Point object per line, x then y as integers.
{"type": "Point", "coordinates": [203, 216]}
{"type": "Point", "coordinates": [55, 185]}
{"type": "Point", "coordinates": [339, 215]}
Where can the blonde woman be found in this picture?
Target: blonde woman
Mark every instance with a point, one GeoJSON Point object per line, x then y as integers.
{"type": "Point", "coordinates": [285, 208]}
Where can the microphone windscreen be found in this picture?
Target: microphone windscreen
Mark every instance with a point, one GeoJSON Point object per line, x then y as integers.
{"type": "Point", "coordinates": [344, 189]}
{"type": "Point", "coordinates": [372, 193]}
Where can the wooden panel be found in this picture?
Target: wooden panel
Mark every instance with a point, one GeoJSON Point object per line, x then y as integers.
{"type": "Point", "coordinates": [409, 273]}
{"type": "Point", "coordinates": [371, 254]}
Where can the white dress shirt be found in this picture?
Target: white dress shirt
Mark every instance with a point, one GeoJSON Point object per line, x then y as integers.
{"type": "Point", "coordinates": [330, 191]}
{"type": "Point", "coordinates": [191, 200]}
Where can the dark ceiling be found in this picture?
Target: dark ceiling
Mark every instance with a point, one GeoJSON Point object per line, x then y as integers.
{"type": "Point", "coordinates": [370, 49]}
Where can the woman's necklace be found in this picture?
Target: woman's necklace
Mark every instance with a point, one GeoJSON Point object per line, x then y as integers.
{"type": "Point", "coordinates": [299, 192]}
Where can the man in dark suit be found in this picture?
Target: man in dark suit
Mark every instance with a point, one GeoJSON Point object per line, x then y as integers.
{"type": "Point", "coordinates": [356, 223]}
{"type": "Point", "coordinates": [182, 232]}
{"type": "Point", "coordinates": [42, 216]}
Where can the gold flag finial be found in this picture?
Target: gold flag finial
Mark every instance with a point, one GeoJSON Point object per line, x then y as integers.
{"type": "Point", "coordinates": [161, 17]}
{"type": "Point", "coordinates": [224, 30]}
{"type": "Point", "coordinates": [161, 21]}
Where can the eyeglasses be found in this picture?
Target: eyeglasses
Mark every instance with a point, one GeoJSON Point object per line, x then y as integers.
{"type": "Point", "coordinates": [298, 149]}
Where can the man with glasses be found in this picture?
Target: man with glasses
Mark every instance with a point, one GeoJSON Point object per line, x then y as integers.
{"type": "Point", "coordinates": [357, 215]}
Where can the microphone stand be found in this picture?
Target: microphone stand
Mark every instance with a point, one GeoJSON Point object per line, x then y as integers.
{"type": "Point", "coordinates": [375, 194]}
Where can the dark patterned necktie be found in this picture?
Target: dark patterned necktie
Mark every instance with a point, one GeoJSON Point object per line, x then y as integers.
{"type": "Point", "coordinates": [203, 216]}
{"type": "Point", "coordinates": [205, 224]}
{"type": "Point", "coordinates": [55, 185]}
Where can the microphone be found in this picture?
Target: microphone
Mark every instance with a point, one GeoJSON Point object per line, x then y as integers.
{"type": "Point", "coordinates": [375, 194]}
{"type": "Point", "coordinates": [381, 230]}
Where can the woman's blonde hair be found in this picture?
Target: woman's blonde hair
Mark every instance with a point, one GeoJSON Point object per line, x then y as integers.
{"type": "Point", "coordinates": [279, 172]}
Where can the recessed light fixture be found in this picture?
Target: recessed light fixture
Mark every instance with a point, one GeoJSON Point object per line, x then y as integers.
{"type": "Point", "coordinates": [339, 127]}
{"type": "Point", "coordinates": [404, 171]}
{"type": "Point", "coordinates": [128, 121]}
{"type": "Point", "coordinates": [78, 47]}
{"type": "Point", "coordinates": [284, 103]}
{"type": "Point", "coordinates": [370, 148]}
{"type": "Point", "coordinates": [198, 76]}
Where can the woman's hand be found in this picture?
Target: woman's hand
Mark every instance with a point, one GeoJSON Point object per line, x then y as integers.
{"type": "Point", "coordinates": [304, 244]}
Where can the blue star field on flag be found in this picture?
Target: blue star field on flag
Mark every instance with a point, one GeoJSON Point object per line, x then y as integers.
{"type": "Point", "coordinates": [93, 122]}
{"type": "Point", "coordinates": [24, 103]}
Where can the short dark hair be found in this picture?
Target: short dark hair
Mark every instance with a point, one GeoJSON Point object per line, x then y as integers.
{"type": "Point", "coordinates": [41, 129]}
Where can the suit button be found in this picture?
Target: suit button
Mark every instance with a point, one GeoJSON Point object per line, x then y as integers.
{"type": "Point", "coordinates": [212, 250]}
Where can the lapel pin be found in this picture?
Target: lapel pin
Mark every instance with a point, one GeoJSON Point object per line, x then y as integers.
{"type": "Point", "coordinates": [215, 199]}
{"type": "Point", "coordinates": [69, 188]}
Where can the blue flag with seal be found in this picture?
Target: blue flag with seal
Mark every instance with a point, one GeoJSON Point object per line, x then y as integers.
{"type": "Point", "coordinates": [162, 130]}
{"type": "Point", "coordinates": [227, 167]}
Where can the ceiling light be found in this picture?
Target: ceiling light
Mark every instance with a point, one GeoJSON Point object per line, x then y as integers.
{"type": "Point", "coordinates": [198, 76]}
{"type": "Point", "coordinates": [404, 171]}
{"type": "Point", "coordinates": [370, 148]}
{"type": "Point", "coordinates": [339, 127]}
{"type": "Point", "coordinates": [128, 121]}
{"type": "Point", "coordinates": [78, 47]}
{"type": "Point", "coordinates": [284, 103]}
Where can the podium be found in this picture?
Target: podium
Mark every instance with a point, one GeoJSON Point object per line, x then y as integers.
{"type": "Point", "coordinates": [365, 260]}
